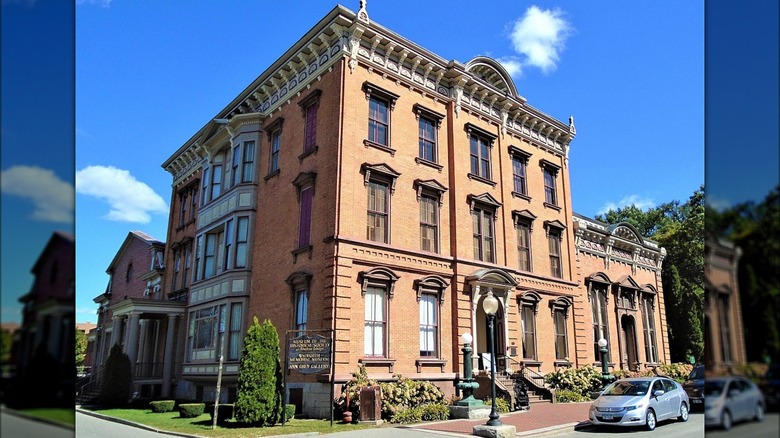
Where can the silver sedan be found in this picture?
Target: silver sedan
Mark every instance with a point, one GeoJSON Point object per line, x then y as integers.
{"type": "Point", "coordinates": [640, 401]}
{"type": "Point", "coordinates": [731, 399]}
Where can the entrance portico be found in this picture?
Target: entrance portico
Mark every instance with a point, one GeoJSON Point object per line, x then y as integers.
{"type": "Point", "coordinates": [481, 283]}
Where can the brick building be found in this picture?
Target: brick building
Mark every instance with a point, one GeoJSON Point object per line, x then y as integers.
{"type": "Point", "coordinates": [723, 334]}
{"type": "Point", "coordinates": [365, 185]}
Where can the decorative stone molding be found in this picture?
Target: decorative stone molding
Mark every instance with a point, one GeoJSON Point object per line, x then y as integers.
{"type": "Point", "coordinates": [381, 277]}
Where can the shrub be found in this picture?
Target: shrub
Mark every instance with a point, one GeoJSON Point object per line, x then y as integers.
{"type": "Point", "coordinates": [582, 380]}
{"type": "Point", "coordinates": [407, 393]}
{"type": "Point", "coordinates": [116, 386]}
{"type": "Point", "coordinates": [289, 411]}
{"type": "Point", "coordinates": [435, 412]}
{"type": "Point", "coordinates": [161, 406]}
{"type": "Point", "coordinates": [224, 412]}
{"type": "Point", "coordinates": [408, 415]}
{"type": "Point", "coordinates": [622, 374]}
{"type": "Point", "coordinates": [568, 396]}
{"type": "Point", "coordinates": [191, 410]}
{"type": "Point", "coordinates": [351, 391]}
{"type": "Point", "coordinates": [677, 371]}
{"type": "Point", "coordinates": [260, 377]}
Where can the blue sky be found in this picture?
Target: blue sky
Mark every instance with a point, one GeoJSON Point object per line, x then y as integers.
{"type": "Point", "coordinates": [150, 74]}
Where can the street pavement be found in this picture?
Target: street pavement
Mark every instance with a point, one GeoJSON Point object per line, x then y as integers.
{"type": "Point", "coordinates": [693, 428]}
{"type": "Point", "coordinates": [14, 425]}
{"type": "Point", "coordinates": [770, 427]}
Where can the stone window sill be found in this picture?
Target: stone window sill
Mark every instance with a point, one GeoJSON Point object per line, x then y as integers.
{"type": "Point", "coordinates": [381, 147]}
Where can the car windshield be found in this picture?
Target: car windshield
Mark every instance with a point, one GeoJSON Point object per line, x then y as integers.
{"type": "Point", "coordinates": [697, 373]}
{"type": "Point", "coordinates": [713, 387]}
{"type": "Point", "coordinates": [627, 388]}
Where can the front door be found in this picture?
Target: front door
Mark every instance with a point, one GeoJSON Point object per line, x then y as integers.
{"type": "Point", "coordinates": [629, 335]}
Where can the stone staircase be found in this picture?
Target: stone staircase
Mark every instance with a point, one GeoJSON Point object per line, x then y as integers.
{"type": "Point", "coordinates": [505, 387]}
{"type": "Point", "coordinates": [87, 392]}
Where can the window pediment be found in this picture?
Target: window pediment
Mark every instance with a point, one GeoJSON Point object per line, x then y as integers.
{"type": "Point", "coordinates": [431, 284]}
{"type": "Point", "coordinates": [312, 99]}
{"type": "Point", "coordinates": [523, 216]}
{"type": "Point", "coordinates": [382, 170]}
{"type": "Point", "coordinates": [561, 303]}
{"type": "Point", "coordinates": [546, 164]}
{"type": "Point", "coordinates": [484, 199]}
{"type": "Point", "coordinates": [431, 185]}
{"type": "Point", "coordinates": [274, 126]}
{"type": "Point", "coordinates": [381, 93]}
{"type": "Point", "coordinates": [381, 277]}
{"type": "Point", "coordinates": [517, 152]}
{"type": "Point", "coordinates": [476, 130]}
{"type": "Point", "coordinates": [421, 111]}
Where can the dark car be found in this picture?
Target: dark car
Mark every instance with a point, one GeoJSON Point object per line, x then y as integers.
{"type": "Point", "coordinates": [770, 386]}
{"type": "Point", "coordinates": [694, 387]}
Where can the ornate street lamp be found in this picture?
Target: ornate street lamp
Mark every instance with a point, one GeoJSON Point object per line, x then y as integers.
{"type": "Point", "coordinates": [606, 377]}
{"type": "Point", "coordinates": [490, 306]}
{"type": "Point", "coordinates": [467, 385]}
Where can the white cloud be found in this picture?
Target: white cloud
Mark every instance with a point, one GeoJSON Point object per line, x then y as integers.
{"type": "Point", "coordinates": [512, 64]}
{"type": "Point", "coordinates": [130, 200]}
{"type": "Point", "coordinates": [540, 36]}
{"type": "Point", "coordinates": [52, 197]}
{"type": "Point", "coordinates": [635, 200]}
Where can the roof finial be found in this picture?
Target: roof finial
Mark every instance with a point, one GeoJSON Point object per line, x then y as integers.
{"type": "Point", "coordinates": [362, 14]}
{"type": "Point", "coordinates": [572, 129]}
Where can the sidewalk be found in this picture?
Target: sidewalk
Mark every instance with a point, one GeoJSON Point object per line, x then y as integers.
{"type": "Point", "coordinates": [541, 419]}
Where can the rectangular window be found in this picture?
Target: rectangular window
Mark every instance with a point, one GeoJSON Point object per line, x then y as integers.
{"type": "Point", "coordinates": [378, 121]}
{"type": "Point", "coordinates": [276, 142]}
{"type": "Point", "coordinates": [209, 256]}
{"type": "Point", "coordinates": [194, 198]}
{"type": "Point", "coordinates": [427, 139]}
{"type": "Point", "coordinates": [550, 194]}
{"type": "Point", "coordinates": [304, 220]}
{"type": "Point", "coordinates": [187, 266]}
{"type": "Point", "coordinates": [228, 243]}
{"type": "Point", "coordinates": [248, 163]}
{"type": "Point", "coordinates": [561, 347]}
{"type": "Point", "coordinates": [378, 211]}
{"type": "Point", "coordinates": [524, 245]}
{"type": "Point", "coordinates": [480, 157]}
{"type": "Point", "coordinates": [375, 322]}
{"type": "Point", "coordinates": [429, 325]}
{"type": "Point", "coordinates": [204, 192]}
{"type": "Point", "coordinates": [176, 268]}
{"type": "Point", "coordinates": [529, 335]}
{"type": "Point", "coordinates": [198, 253]}
{"type": "Point", "coordinates": [234, 168]}
{"type": "Point", "coordinates": [554, 240]}
{"type": "Point", "coordinates": [429, 223]}
{"type": "Point", "coordinates": [216, 181]}
{"type": "Point", "coordinates": [234, 337]}
{"type": "Point", "coordinates": [242, 237]}
{"type": "Point", "coordinates": [311, 128]}
{"type": "Point", "coordinates": [483, 235]}
{"type": "Point", "coordinates": [182, 208]}
{"type": "Point", "coordinates": [206, 328]}
{"type": "Point", "coordinates": [518, 175]}
{"type": "Point", "coordinates": [301, 309]}
{"type": "Point", "coordinates": [649, 323]}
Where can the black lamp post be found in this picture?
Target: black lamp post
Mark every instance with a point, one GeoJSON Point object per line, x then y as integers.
{"type": "Point", "coordinates": [606, 377]}
{"type": "Point", "coordinates": [490, 305]}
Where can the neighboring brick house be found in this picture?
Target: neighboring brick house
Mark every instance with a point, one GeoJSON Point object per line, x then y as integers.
{"type": "Point", "coordinates": [48, 316]}
{"type": "Point", "coordinates": [723, 335]}
{"type": "Point", "coordinates": [136, 314]}
{"type": "Point", "coordinates": [365, 185]}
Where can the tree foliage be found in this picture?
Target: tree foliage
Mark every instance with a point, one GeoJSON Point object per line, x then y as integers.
{"type": "Point", "coordinates": [679, 228]}
{"type": "Point", "coordinates": [117, 382]}
{"type": "Point", "coordinates": [260, 384]}
{"type": "Point", "coordinates": [6, 344]}
{"type": "Point", "coordinates": [81, 347]}
{"type": "Point", "coordinates": [754, 228]}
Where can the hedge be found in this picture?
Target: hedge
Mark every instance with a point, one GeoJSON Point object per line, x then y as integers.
{"type": "Point", "coordinates": [161, 406]}
{"type": "Point", "coordinates": [191, 410]}
{"type": "Point", "coordinates": [225, 412]}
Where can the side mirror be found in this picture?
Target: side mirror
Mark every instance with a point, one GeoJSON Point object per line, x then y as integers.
{"type": "Point", "coordinates": [658, 392]}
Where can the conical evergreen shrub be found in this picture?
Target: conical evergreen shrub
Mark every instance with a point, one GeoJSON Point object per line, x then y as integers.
{"type": "Point", "coordinates": [116, 386]}
{"type": "Point", "coordinates": [260, 384]}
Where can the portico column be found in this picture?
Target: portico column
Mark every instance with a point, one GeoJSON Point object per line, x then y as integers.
{"type": "Point", "coordinates": [115, 331]}
{"type": "Point", "coordinates": [132, 338]}
{"type": "Point", "coordinates": [168, 356]}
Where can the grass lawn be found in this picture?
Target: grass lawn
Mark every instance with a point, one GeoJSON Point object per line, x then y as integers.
{"type": "Point", "coordinates": [172, 422]}
{"type": "Point", "coordinates": [60, 415]}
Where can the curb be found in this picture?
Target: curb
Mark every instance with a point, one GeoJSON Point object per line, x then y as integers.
{"type": "Point", "coordinates": [19, 414]}
{"type": "Point", "coordinates": [133, 424]}
{"type": "Point", "coordinates": [553, 430]}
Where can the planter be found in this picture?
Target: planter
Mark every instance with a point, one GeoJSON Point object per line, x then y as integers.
{"type": "Point", "coordinates": [347, 416]}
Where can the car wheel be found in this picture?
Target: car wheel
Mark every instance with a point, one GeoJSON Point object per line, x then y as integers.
{"type": "Point", "coordinates": [683, 413]}
{"type": "Point", "coordinates": [650, 420]}
{"type": "Point", "coordinates": [725, 420]}
{"type": "Point", "coordinates": [759, 412]}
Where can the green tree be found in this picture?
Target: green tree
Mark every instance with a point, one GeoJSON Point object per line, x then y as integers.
{"type": "Point", "coordinates": [260, 384]}
{"type": "Point", "coordinates": [81, 347]}
{"type": "Point", "coordinates": [6, 343]}
{"type": "Point", "coordinates": [117, 382]}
